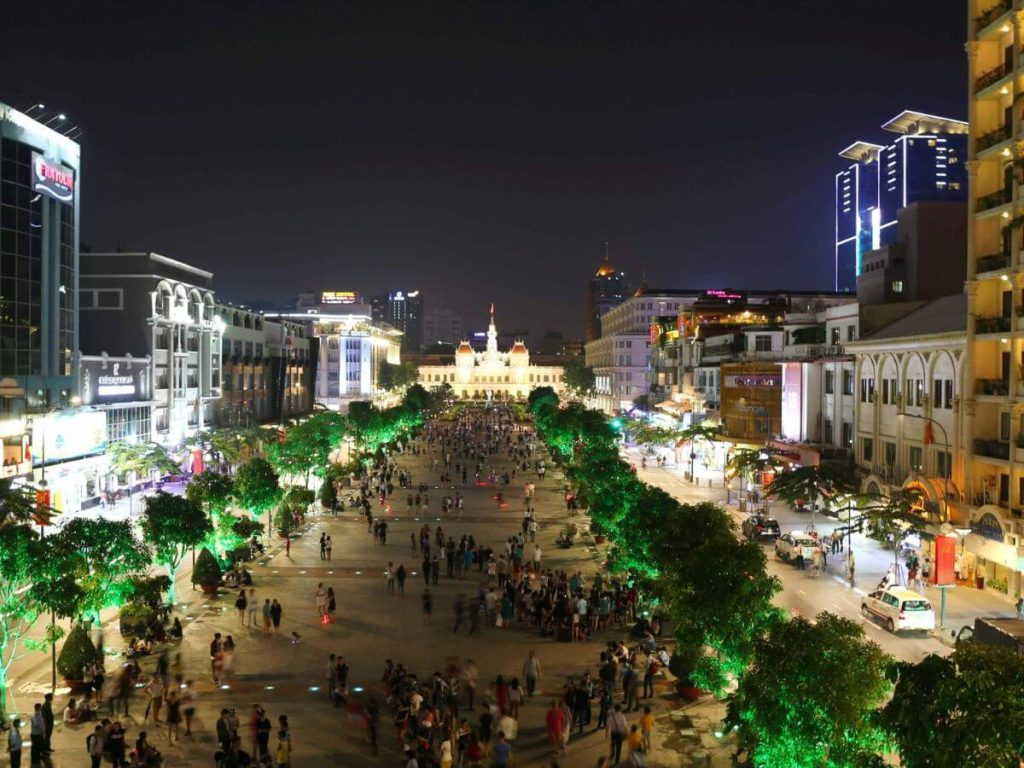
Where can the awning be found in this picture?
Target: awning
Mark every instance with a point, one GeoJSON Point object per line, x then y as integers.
{"type": "Point", "coordinates": [672, 406]}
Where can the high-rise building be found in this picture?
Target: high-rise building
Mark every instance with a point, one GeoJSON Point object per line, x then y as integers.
{"type": "Point", "coordinates": [606, 289]}
{"type": "Point", "coordinates": [39, 213]}
{"type": "Point", "coordinates": [442, 326]}
{"type": "Point", "coordinates": [925, 162]}
{"type": "Point", "coordinates": [993, 479]}
{"type": "Point", "coordinates": [402, 310]}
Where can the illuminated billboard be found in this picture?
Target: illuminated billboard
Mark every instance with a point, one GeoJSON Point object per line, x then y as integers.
{"type": "Point", "coordinates": [339, 297]}
{"type": "Point", "coordinates": [52, 180]}
{"type": "Point", "coordinates": [68, 434]}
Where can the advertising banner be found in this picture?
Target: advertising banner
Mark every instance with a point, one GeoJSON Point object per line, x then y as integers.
{"type": "Point", "coordinates": [945, 556]}
{"type": "Point", "coordinates": [68, 435]}
{"type": "Point", "coordinates": [52, 180]}
{"type": "Point", "coordinates": [113, 381]}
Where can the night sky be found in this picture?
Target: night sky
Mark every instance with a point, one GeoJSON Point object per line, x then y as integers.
{"type": "Point", "coordinates": [478, 151]}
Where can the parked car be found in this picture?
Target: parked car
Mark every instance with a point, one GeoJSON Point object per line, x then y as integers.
{"type": "Point", "coordinates": [761, 528]}
{"type": "Point", "coordinates": [899, 608]}
{"type": "Point", "coordinates": [791, 545]}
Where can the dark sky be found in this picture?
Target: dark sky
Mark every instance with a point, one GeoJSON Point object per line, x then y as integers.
{"type": "Point", "coordinates": [479, 151]}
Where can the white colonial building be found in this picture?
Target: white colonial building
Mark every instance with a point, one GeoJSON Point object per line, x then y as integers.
{"type": "Point", "coordinates": [491, 374]}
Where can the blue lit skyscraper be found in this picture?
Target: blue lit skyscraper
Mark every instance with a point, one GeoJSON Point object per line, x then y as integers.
{"type": "Point", "coordinates": [926, 162]}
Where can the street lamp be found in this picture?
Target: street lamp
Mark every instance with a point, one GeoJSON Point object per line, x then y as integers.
{"type": "Point", "coordinates": [945, 462]}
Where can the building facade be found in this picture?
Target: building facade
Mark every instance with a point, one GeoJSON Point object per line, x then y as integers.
{"type": "Point", "coordinates": [442, 325]}
{"type": "Point", "coordinates": [152, 306]}
{"type": "Point", "coordinates": [926, 162]}
{"type": "Point", "coordinates": [491, 374]}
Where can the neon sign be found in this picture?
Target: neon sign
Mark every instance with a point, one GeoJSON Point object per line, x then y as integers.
{"type": "Point", "coordinates": [52, 180]}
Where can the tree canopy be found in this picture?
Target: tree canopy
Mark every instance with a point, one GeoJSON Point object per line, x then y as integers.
{"type": "Point", "coordinates": [172, 525]}
{"type": "Point", "coordinates": [578, 377]}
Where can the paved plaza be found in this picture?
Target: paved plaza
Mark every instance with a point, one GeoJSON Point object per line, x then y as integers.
{"type": "Point", "coordinates": [286, 671]}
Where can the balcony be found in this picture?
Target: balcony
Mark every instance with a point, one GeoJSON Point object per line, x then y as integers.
{"type": "Point", "coordinates": [992, 387]}
{"type": "Point", "coordinates": [998, 324]}
{"type": "Point", "coordinates": [994, 200]}
{"type": "Point", "coordinates": [991, 138]}
{"type": "Point", "coordinates": [993, 13]}
{"type": "Point", "coordinates": [993, 262]}
{"type": "Point", "coordinates": [992, 449]}
{"type": "Point", "coordinates": [994, 75]}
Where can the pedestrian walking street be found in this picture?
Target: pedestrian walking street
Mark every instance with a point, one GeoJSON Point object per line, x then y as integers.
{"type": "Point", "coordinates": [285, 672]}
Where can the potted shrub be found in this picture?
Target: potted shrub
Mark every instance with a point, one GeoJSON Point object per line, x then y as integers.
{"type": "Point", "coordinates": [77, 651]}
{"type": "Point", "coordinates": [681, 664]}
{"type": "Point", "coordinates": [206, 572]}
{"type": "Point", "coordinates": [284, 520]}
{"type": "Point", "coordinates": [135, 618]}
{"type": "Point", "coordinates": [598, 530]}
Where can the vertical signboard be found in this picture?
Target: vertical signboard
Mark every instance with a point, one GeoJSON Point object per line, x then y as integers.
{"type": "Point", "coordinates": [945, 556]}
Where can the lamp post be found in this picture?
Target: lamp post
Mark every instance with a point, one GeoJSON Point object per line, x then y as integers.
{"type": "Point", "coordinates": [945, 462]}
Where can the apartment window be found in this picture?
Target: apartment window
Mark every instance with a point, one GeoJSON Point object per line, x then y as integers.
{"type": "Point", "coordinates": [887, 393]}
{"type": "Point", "coordinates": [828, 431]}
{"type": "Point", "coordinates": [1004, 426]}
{"type": "Point", "coordinates": [847, 382]}
{"type": "Point", "coordinates": [944, 464]}
{"type": "Point", "coordinates": [890, 454]}
{"type": "Point", "coordinates": [830, 377]}
{"type": "Point", "coordinates": [851, 332]}
{"type": "Point", "coordinates": [947, 398]}
{"type": "Point", "coordinates": [914, 392]}
{"type": "Point", "coordinates": [847, 433]}
{"type": "Point", "coordinates": [867, 450]}
{"type": "Point", "coordinates": [762, 343]}
{"type": "Point", "coordinates": [835, 336]}
{"type": "Point", "coordinates": [915, 458]}
{"type": "Point", "coordinates": [897, 286]}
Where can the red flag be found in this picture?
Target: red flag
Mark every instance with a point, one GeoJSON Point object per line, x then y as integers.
{"type": "Point", "coordinates": [929, 436]}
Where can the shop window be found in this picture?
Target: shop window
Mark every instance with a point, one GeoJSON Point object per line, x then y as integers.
{"type": "Point", "coordinates": [847, 382]}
{"type": "Point", "coordinates": [915, 457]}
{"type": "Point", "coordinates": [867, 449]}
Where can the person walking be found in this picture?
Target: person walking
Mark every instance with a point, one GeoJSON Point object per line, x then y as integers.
{"type": "Point", "coordinates": [531, 672]}
{"type": "Point", "coordinates": [428, 604]}
{"type": "Point", "coordinates": [400, 578]}
{"type": "Point", "coordinates": [267, 613]}
{"type": "Point", "coordinates": [48, 722]}
{"type": "Point", "coordinates": [617, 729]}
{"type": "Point", "coordinates": [536, 557]}
{"type": "Point", "coordinates": [389, 573]}
{"type": "Point", "coordinates": [37, 733]}
{"type": "Point", "coordinates": [14, 742]}
{"type": "Point", "coordinates": [321, 599]}
{"type": "Point", "coordinates": [94, 744]}
{"type": "Point", "coordinates": [173, 715]}
{"type": "Point", "coordinates": [155, 690]}
{"type": "Point", "coordinates": [647, 727]}
{"type": "Point", "coordinates": [241, 602]}
{"type": "Point", "coordinates": [276, 612]}
{"type": "Point", "coordinates": [251, 607]}
{"type": "Point", "coordinates": [332, 604]}
{"type": "Point", "coordinates": [323, 546]}
{"type": "Point", "coordinates": [329, 545]}
{"type": "Point", "coordinates": [555, 721]}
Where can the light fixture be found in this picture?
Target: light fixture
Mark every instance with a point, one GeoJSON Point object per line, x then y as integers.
{"type": "Point", "coordinates": [1006, 214]}
{"type": "Point", "coordinates": [1004, 90]}
{"type": "Point", "coordinates": [1006, 151]}
{"type": "Point", "coordinates": [1004, 28]}
{"type": "Point", "coordinates": [1004, 277]}
{"type": "Point", "coordinates": [1004, 341]}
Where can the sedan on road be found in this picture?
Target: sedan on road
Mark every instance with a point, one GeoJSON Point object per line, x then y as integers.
{"type": "Point", "coordinates": [791, 545]}
{"type": "Point", "coordinates": [761, 528]}
{"type": "Point", "coordinates": [899, 608]}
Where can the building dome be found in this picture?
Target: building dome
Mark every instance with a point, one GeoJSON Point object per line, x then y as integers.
{"type": "Point", "coordinates": [519, 348]}
{"type": "Point", "coordinates": [464, 349]}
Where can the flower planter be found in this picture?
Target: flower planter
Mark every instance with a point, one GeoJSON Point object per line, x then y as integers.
{"type": "Point", "coordinates": [75, 686]}
{"type": "Point", "coordinates": [599, 538]}
{"type": "Point", "coordinates": [208, 589]}
{"type": "Point", "coordinates": [688, 690]}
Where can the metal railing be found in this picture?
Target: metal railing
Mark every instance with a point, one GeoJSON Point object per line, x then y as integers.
{"type": "Point", "coordinates": [993, 200]}
{"type": "Point", "coordinates": [983, 20]}
{"type": "Point", "coordinates": [990, 139]}
{"type": "Point", "coordinates": [997, 324]}
{"type": "Point", "coordinates": [993, 261]}
{"type": "Point", "coordinates": [993, 387]}
{"type": "Point", "coordinates": [993, 449]}
{"type": "Point", "coordinates": [994, 75]}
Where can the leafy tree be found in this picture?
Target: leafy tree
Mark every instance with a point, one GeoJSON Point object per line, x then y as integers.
{"type": "Point", "coordinates": [416, 399]}
{"type": "Point", "coordinates": [809, 483]}
{"type": "Point", "coordinates": [807, 699]}
{"type": "Point", "coordinates": [207, 570]}
{"type": "Point", "coordinates": [172, 525]}
{"type": "Point", "coordinates": [140, 459]}
{"type": "Point", "coordinates": [19, 608]}
{"type": "Point", "coordinates": [964, 709]}
{"type": "Point", "coordinates": [392, 376]}
{"type": "Point", "coordinates": [211, 490]}
{"type": "Point", "coordinates": [227, 445]}
{"type": "Point", "coordinates": [307, 446]}
{"type": "Point", "coordinates": [102, 557]}
{"type": "Point", "coordinates": [256, 487]}
{"type": "Point", "coordinates": [578, 377]}
{"type": "Point", "coordinates": [78, 651]}
{"type": "Point", "coordinates": [17, 504]}
{"type": "Point", "coordinates": [539, 396]}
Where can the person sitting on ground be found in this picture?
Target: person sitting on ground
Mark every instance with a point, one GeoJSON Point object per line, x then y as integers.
{"type": "Point", "coordinates": [176, 630]}
{"type": "Point", "coordinates": [72, 714]}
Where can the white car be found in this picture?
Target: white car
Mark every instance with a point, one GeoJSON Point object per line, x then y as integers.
{"type": "Point", "coordinates": [790, 545]}
{"type": "Point", "coordinates": [899, 608]}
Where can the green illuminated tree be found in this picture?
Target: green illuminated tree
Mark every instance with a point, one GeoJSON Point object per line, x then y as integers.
{"type": "Point", "coordinates": [807, 699]}
{"type": "Point", "coordinates": [256, 487]}
{"type": "Point", "coordinates": [215, 492]}
{"type": "Point", "coordinates": [226, 446]}
{"type": "Point", "coordinates": [172, 525]}
{"type": "Point", "coordinates": [140, 459]}
{"type": "Point", "coordinates": [810, 483]}
{"type": "Point", "coordinates": [19, 608]}
{"type": "Point", "coordinates": [963, 709]}
{"type": "Point", "coordinates": [307, 446]}
{"type": "Point", "coordinates": [102, 557]}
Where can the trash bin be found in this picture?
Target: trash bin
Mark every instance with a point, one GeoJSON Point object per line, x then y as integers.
{"type": "Point", "coordinates": [979, 582]}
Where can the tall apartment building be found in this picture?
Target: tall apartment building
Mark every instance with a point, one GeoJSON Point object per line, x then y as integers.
{"type": "Point", "coordinates": [442, 325]}
{"type": "Point", "coordinates": [402, 310]}
{"type": "Point", "coordinates": [994, 380]}
{"type": "Point", "coordinates": [924, 163]}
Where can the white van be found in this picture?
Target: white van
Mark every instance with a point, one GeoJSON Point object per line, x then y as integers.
{"type": "Point", "coordinates": [899, 608]}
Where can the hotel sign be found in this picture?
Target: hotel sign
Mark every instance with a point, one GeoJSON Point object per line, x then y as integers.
{"type": "Point", "coordinates": [339, 297]}
{"type": "Point", "coordinates": [52, 180]}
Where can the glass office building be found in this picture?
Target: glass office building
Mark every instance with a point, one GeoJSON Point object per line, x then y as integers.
{"type": "Point", "coordinates": [926, 162]}
{"type": "Point", "coordinates": [39, 214]}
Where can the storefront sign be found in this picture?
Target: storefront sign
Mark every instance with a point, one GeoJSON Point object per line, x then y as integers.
{"type": "Point", "coordinates": [52, 180]}
{"type": "Point", "coordinates": [113, 381]}
{"type": "Point", "coordinates": [719, 295]}
{"type": "Point", "coordinates": [66, 435]}
{"type": "Point", "coordinates": [989, 527]}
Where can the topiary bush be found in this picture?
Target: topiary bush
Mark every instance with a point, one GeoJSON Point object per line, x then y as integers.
{"type": "Point", "coordinates": [77, 651]}
{"type": "Point", "coordinates": [206, 571]}
{"type": "Point", "coordinates": [284, 520]}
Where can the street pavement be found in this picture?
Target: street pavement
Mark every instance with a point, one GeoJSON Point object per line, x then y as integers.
{"type": "Point", "coordinates": [286, 672]}
{"type": "Point", "coordinates": [807, 595]}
